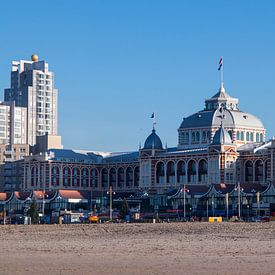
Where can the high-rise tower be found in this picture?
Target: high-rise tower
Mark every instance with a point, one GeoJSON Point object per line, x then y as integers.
{"type": "Point", "coordinates": [32, 86]}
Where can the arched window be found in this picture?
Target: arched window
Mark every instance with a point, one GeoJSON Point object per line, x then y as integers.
{"type": "Point", "coordinates": [76, 176]}
{"type": "Point", "coordinates": [247, 136]}
{"type": "Point", "coordinates": [191, 171]}
{"type": "Point", "coordinates": [193, 137]}
{"type": "Point", "coordinates": [259, 171]}
{"type": "Point", "coordinates": [84, 177]}
{"type": "Point", "coordinates": [112, 177]}
{"type": "Point", "coordinates": [55, 176]}
{"type": "Point", "coordinates": [66, 176]}
{"type": "Point", "coordinates": [197, 136]}
{"type": "Point", "coordinates": [181, 172]}
{"type": "Point", "coordinates": [257, 137]}
{"type": "Point", "coordinates": [204, 136]}
{"type": "Point", "coordinates": [251, 136]}
{"type": "Point", "coordinates": [160, 172]}
{"type": "Point", "coordinates": [104, 178]}
{"type": "Point", "coordinates": [170, 172]}
{"type": "Point", "coordinates": [238, 135]}
{"type": "Point", "coordinates": [261, 137]}
{"type": "Point", "coordinates": [242, 136]}
{"type": "Point", "coordinates": [136, 176]}
{"type": "Point", "coordinates": [249, 171]}
{"type": "Point", "coordinates": [120, 178]}
{"type": "Point", "coordinates": [94, 178]}
{"type": "Point", "coordinates": [203, 171]}
{"type": "Point", "coordinates": [129, 177]}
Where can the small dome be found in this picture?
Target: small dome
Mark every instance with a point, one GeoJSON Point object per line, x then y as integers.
{"type": "Point", "coordinates": [221, 137]}
{"type": "Point", "coordinates": [153, 141]}
{"type": "Point", "coordinates": [34, 57]}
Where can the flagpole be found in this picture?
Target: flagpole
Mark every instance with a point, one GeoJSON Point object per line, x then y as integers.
{"type": "Point", "coordinates": [222, 73]}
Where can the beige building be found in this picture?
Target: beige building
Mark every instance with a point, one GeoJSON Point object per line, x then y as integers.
{"type": "Point", "coordinates": [32, 87]}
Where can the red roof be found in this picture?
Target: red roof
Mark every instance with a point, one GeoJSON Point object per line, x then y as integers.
{"type": "Point", "coordinates": [22, 195]}
{"type": "Point", "coordinates": [5, 196]}
{"type": "Point", "coordinates": [73, 194]}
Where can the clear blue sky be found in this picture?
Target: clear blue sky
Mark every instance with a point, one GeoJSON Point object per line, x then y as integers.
{"type": "Point", "coordinates": [116, 62]}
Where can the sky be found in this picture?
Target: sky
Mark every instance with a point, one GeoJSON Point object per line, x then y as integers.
{"type": "Point", "coordinates": [117, 62]}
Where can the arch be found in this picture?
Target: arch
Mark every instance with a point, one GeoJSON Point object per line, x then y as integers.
{"type": "Point", "coordinates": [55, 173]}
{"type": "Point", "coordinates": [94, 177]}
{"type": "Point", "coordinates": [197, 136]}
{"type": "Point", "coordinates": [129, 177]}
{"type": "Point", "coordinates": [257, 137]}
{"type": "Point", "coordinates": [193, 137]}
{"type": "Point", "coordinates": [248, 171]}
{"type": "Point", "coordinates": [242, 136]}
{"type": "Point", "coordinates": [136, 176]}
{"type": "Point", "coordinates": [261, 137]}
{"type": "Point", "coordinates": [160, 172]}
{"type": "Point", "coordinates": [120, 178]}
{"type": "Point", "coordinates": [104, 178]}
{"type": "Point", "coordinates": [203, 170]}
{"type": "Point", "coordinates": [75, 176]}
{"type": "Point", "coordinates": [259, 171]}
{"type": "Point", "coordinates": [170, 172]}
{"type": "Point", "coordinates": [191, 171]}
{"type": "Point", "coordinates": [84, 177]}
{"type": "Point", "coordinates": [181, 171]}
{"type": "Point", "coordinates": [67, 176]}
{"type": "Point", "coordinates": [112, 177]}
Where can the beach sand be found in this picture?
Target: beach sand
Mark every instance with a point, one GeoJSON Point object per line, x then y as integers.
{"type": "Point", "coordinates": [168, 248]}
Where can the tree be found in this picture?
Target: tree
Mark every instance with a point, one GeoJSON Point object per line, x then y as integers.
{"type": "Point", "coordinates": [124, 209]}
{"type": "Point", "coordinates": [33, 212]}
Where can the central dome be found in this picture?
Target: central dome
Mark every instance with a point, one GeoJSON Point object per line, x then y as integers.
{"type": "Point", "coordinates": [153, 141]}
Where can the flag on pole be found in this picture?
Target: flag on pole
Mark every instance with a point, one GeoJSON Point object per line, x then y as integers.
{"type": "Point", "coordinates": [153, 115]}
{"type": "Point", "coordinates": [220, 64]}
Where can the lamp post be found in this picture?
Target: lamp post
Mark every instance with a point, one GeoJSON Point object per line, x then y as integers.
{"type": "Point", "coordinates": [184, 190]}
{"type": "Point", "coordinates": [213, 206]}
{"type": "Point", "coordinates": [258, 204]}
{"type": "Point", "coordinates": [227, 202]}
{"type": "Point", "coordinates": [239, 189]}
{"type": "Point", "coordinates": [111, 193]}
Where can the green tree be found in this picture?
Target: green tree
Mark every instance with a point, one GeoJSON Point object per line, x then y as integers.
{"type": "Point", "coordinates": [124, 209]}
{"type": "Point", "coordinates": [33, 212]}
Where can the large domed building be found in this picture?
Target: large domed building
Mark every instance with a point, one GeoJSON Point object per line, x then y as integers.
{"type": "Point", "coordinates": [197, 130]}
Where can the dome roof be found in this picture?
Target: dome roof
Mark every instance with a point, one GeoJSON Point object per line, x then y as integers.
{"type": "Point", "coordinates": [233, 119]}
{"type": "Point", "coordinates": [221, 137]}
{"type": "Point", "coordinates": [153, 141]}
{"type": "Point", "coordinates": [210, 116]}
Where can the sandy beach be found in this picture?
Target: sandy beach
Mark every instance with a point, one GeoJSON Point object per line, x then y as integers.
{"type": "Point", "coordinates": [174, 248]}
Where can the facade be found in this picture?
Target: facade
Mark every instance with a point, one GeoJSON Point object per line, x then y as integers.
{"type": "Point", "coordinates": [32, 87]}
{"type": "Point", "coordinates": [220, 149]}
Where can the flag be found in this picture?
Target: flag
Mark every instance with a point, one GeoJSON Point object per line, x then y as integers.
{"type": "Point", "coordinates": [220, 64]}
{"type": "Point", "coordinates": [153, 115]}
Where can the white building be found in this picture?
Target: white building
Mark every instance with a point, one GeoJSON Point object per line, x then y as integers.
{"type": "Point", "coordinates": [32, 86]}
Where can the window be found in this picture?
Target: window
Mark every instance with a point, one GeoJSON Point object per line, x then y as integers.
{"type": "Point", "coordinates": [238, 135]}
{"type": "Point", "coordinates": [257, 137]}
{"type": "Point", "coordinates": [247, 136]}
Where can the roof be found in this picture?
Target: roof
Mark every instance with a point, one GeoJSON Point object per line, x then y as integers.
{"type": "Point", "coordinates": [221, 137]}
{"type": "Point", "coordinates": [4, 197]}
{"type": "Point", "coordinates": [223, 188]}
{"type": "Point", "coordinates": [232, 119]}
{"type": "Point", "coordinates": [48, 195]}
{"type": "Point", "coordinates": [22, 195]}
{"type": "Point", "coordinates": [73, 194]}
{"type": "Point", "coordinates": [153, 141]}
